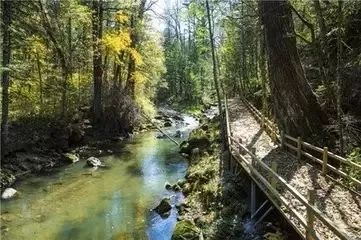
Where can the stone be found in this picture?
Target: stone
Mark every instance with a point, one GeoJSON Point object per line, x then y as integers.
{"type": "Point", "coordinates": [178, 134]}
{"type": "Point", "coordinates": [9, 193]}
{"type": "Point", "coordinates": [185, 229]}
{"type": "Point", "coordinates": [164, 208]}
{"type": "Point", "coordinates": [178, 118]}
{"type": "Point", "coordinates": [181, 182]}
{"type": "Point", "coordinates": [168, 186]}
{"type": "Point", "coordinates": [205, 127]}
{"type": "Point", "coordinates": [70, 158]}
{"type": "Point", "coordinates": [176, 188]}
{"type": "Point", "coordinates": [167, 124]}
{"type": "Point", "coordinates": [93, 162]}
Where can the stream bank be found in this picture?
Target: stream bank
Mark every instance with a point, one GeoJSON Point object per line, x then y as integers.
{"type": "Point", "coordinates": [109, 203]}
{"type": "Point", "coordinates": [216, 202]}
{"type": "Point", "coordinates": [38, 148]}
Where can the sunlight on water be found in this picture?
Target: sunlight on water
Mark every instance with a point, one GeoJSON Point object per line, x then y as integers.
{"type": "Point", "coordinates": [114, 203]}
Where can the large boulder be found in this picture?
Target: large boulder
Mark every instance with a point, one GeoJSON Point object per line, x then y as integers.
{"type": "Point", "coordinates": [202, 143]}
{"type": "Point", "coordinates": [94, 162]}
{"type": "Point", "coordinates": [77, 133]}
{"type": "Point", "coordinates": [164, 208]}
{"type": "Point", "coordinates": [168, 124]}
{"type": "Point", "coordinates": [9, 193]}
{"type": "Point", "coordinates": [70, 158]}
{"type": "Point", "coordinates": [185, 229]}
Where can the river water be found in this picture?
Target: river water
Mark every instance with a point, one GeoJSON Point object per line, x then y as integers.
{"type": "Point", "coordinates": [115, 203]}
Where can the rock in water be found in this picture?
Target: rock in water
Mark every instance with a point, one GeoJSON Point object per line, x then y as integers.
{"type": "Point", "coordinates": [164, 208]}
{"type": "Point", "coordinates": [71, 158]}
{"type": "Point", "coordinates": [178, 134]}
{"type": "Point", "coordinates": [168, 124]}
{"type": "Point", "coordinates": [168, 186]}
{"type": "Point", "coordinates": [9, 193]}
{"type": "Point", "coordinates": [93, 162]}
{"type": "Point", "coordinates": [185, 229]}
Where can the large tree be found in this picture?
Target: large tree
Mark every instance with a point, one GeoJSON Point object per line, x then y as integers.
{"type": "Point", "coordinates": [297, 111]}
{"type": "Point", "coordinates": [5, 76]}
{"type": "Point", "coordinates": [97, 29]}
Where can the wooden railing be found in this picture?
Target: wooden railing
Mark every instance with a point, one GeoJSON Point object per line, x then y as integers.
{"type": "Point", "coordinates": [269, 181]}
{"type": "Point", "coordinates": [318, 155]}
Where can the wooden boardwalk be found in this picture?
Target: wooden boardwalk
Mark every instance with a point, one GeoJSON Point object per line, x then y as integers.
{"type": "Point", "coordinates": [296, 181]}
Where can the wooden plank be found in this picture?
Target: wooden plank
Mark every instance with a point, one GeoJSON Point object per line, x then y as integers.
{"type": "Point", "coordinates": [310, 217]}
{"type": "Point", "coordinates": [278, 196]}
{"type": "Point", "coordinates": [291, 138]}
{"type": "Point", "coordinates": [285, 203]}
{"type": "Point", "coordinates": [324, 160]}
{"type": "Point", "coordinates": [243, 147]}
{"type": "Point", "coordinates": [339, 233]}
{"type": "Point", "coordinates": [311, 157]}
{"type": "Point", "coordinates": [344, 160]}
{"type": "Point", "coordinates": [299, 148]}
{"type": "Point", "coordinates": [291, 146]}
{"type": "Point", "coordinates": [343, 174]}
{"type": "Point", "coordinates": [308, 145]}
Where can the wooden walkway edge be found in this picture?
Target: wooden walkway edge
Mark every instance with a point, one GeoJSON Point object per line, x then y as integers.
{"type": "Point", "coordinates": [269, 181]}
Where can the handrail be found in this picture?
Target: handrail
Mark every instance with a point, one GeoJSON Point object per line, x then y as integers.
{"type": "Point", "coordinates": [312, 210]}
{"type": "Point", "coordinates": [326, 154]}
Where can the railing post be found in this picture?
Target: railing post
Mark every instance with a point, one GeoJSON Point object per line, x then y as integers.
{"type": "Point", "coordinates": [299, 148]}
{"type": "Point", "coordinates": [282, 139]}
{"type": "Point", "coordinates": [325, 159]}
{"type": "Point", "coordinates": [310, 216]}
{"type": "Point", "coordinates": [273, 179]}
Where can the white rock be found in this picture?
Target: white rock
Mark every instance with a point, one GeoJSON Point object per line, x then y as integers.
{"type": "Point", "coordinates": [8, 193]}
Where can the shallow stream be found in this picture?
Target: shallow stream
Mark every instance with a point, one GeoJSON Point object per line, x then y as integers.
{"type": "Point", "coordinates": [80, 203]}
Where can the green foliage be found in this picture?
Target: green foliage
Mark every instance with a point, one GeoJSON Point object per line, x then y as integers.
{"type": "Point", "coordinates": [354, 156]}
{"type": "Point", "coordinates": [187, 57]}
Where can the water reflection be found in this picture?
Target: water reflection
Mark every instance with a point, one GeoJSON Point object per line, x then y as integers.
{"type": "Point", "coordinates": [108, 204]}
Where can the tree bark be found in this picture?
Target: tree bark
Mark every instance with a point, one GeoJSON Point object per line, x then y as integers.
{"type": "Point", "coordinates": [6, 53]}
{"type": "Point", "coordinates": [297, 111]}
{"type": "Point", "coordinates": [338, 76]}
{"type": "Point", "coordinates": [215, 75]}
{"type": "Point", "coordinates": [97, 28]}
{"type": "Point", "coordinates": [138, 17]}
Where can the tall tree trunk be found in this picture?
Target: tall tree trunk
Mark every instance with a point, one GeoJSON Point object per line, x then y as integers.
{"type": "Point", "coordinates": [320, 47]}
{"type": "Point", "coordinates": [38, 65]}
{"type": "Point", "coordinates": [6, 52]}
{"type": "Point", "coordinates": [215, 75]}
{"type": "Point", "coordinates": [138, 17]}
{"type": "Point", "coordinates": [297, 111]}
{"type": "Point", "coordinates": [97, 28]}
{"type": "Point", "coordinates": [338, 76]}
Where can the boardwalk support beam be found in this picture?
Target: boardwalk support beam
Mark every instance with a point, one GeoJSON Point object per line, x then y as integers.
{"type": "Point", "coordinates": [324, 160]}
{"type": "Point", "coordinates": [310, 216]}
{"type": "Point", "coordinates": [299, 148]}
{"type": "Point", "coordinates": [259, 209]}
{"type": "Point", "coordinates": [264, 215]}
{"type": "Point", "coordinates": [253, 198]}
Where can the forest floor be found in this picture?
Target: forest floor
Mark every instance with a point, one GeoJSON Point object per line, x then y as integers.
{"type": "Point", "coordinates": [340, 205]}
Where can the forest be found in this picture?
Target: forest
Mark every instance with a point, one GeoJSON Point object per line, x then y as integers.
{"type": "Point", "coordinates": [88, 80]}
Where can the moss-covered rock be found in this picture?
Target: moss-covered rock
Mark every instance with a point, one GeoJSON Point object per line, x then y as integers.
{"type": "Point", "coordinates": [164, 208]}
{"type": "Point", "coordinates": [185, 229]}
{"type": "Point", "coordinates": [70, 158]}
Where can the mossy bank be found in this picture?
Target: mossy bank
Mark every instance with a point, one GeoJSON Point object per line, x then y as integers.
{"type": "Point", "coordinates": [215, 203]}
